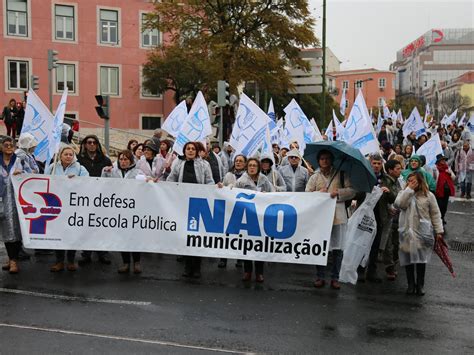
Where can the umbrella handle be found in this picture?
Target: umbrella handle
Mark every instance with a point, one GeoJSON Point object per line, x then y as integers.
{"type": "Point", "coordinates": [337, 170]}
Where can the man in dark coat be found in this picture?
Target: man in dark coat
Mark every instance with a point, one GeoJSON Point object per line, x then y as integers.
{"type": "Point", "coordinates": [93, 158]}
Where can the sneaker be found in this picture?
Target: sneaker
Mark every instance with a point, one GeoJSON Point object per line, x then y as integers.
{"type": "Point", "coordinates": [468, 197]}
{"type": "Point", "coordinates": [125, 269]}
{"type": "Point", "coordinates": [137, 269]}
{"type": "Point", "coordinates": [13, 267]}
{"type": "Point", "coordinates": [84, 261]}
{"type": "Point", "coordinates": [57, 267]}
{"type": "Point", "coordinates": [319, 283]}
{"type": "Point", "coordinates": [335, 285]}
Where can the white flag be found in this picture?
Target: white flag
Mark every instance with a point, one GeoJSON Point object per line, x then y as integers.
{"type": "Point", "coordinates": [249, 128]}
{"type": "Point", "coordinates": [56, 128]}
{"type": "Point", "coordinates": [197, 125]}
{"type": "Point", "coordinates": [175, 119]}
{"type": "Point", "coordinates": [267, 150]}
{"type": "Point", "coordinates": [461, 120]}
{"type": "Point", "coordinates": [414, 123]}
{"type": "Point", "coordinates": [271, 111]}
{"type": "Point", "coordinates": [38, 120]}
{"type": "Point", "coordinates": [379, 123]}
{"type": "Point", "coordinates": [297, 125]}
{"type": "Point", "coordinates": [386, 111]}
{"type": "Point", "coordinates": [451, 118]}
{"type": "Point", "coordinates": [400, 116]}
{"type": "Point", "coordinates": [359, 131]}
{"type": "Point", "coordinates": [343, 104]}
{"type": "Point", "coordinates": [339, 127]}
{"type": "Point", "coordinates": [470, 124]}
{"type": "Point", "coordinates": [330, 132]}
{"type": "Point", "coordinates": [319, 136]}
{"type": "Point", "coordinates": [430, 149]}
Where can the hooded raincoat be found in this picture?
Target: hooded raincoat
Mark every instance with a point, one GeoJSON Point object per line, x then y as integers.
{"type": "Point", "coordinates": [9, 225]}
{"type": "Point", "coordinates": [246, 182]}
{"type": "Point", "coordinates": [201, 168]}
{"type": "Point", "coordinates": [295, 180]}
{"type": "Point", "coordinates": [430, 181]}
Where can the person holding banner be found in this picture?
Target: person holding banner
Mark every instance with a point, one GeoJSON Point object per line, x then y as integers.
{"type": "Point", "coordinates": [9, 227]}
{"type": "Point", "coordinates": [272, 174]}
{"type": "Point", "coordinates": [190, 168]}
{"type": "Point", "coordinates": [327, 179]}
{"type": "Point", "coordinates": [148, 163]}
{"type": "Point", "coordinates": [70, 167]}
{"type": "Point", "coordinates": [254, 180]}
{"type": "Point", "coordinates": [296, 176]}
{"type": "Point", "coordinates": [230, 179]}
{"type": "Point", "coordinates": [126, 169]}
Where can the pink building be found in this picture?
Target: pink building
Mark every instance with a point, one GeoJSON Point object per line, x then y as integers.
{"type": "Point", "coordinates": [102, 48]}
{"type": "Point", "coordinates": [376, 85]}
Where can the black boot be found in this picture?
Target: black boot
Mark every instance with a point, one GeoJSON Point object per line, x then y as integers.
{"type": "Point", "coordinates": [420, 279]}
{"type": "Point", "coordinates": [410, 270]}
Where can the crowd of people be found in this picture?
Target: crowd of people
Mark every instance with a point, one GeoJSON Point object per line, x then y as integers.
{"type": "Point", "coordinates": [412, 193]}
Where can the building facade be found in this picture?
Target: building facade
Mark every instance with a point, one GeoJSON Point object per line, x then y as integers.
{"type": "Point", "coordinates": [436, 56]}
{"type": "Point", "coordinates": [443, 96]}
{"type": "Point", "coordinates": [376, 86]}
{"type": "Point", "coordinates": [101, 49]}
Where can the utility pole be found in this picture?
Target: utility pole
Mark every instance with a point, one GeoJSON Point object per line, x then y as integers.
{"type": "Point", "coordinates": [52, 64]}
{"type": "Point", "coordinates": [323, 105]}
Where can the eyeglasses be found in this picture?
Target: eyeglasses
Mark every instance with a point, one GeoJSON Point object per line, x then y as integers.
{"type": "Point", "coordinates": [91, 142]}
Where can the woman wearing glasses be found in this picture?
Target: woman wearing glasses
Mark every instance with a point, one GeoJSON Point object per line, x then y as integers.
{"type": "Point", "coordinates": [254, 180]}
{"type": "Point", "coordinates": [9, 226]}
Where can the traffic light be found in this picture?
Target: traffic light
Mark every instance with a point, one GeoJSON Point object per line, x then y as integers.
{"type": "Point", "coordinates": [34, 82]}
{"type": "Point", "coordinates": [223, 93]}
{"type": "Point", "coordinates": [103, 108]}
{"type": "Point", "coordinates": [52, 59]}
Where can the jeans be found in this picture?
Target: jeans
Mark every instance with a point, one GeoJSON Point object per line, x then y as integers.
{"type": "Point", "coordinates": [248, 266]}
{"type": "Point", "coordinates": [466, 184]}
{"type": "Point", "coordinates": [61, 253]}
{"type": "Point", "coordinates": [336, 266]}
{"type": "Point", "coordinates": [126, 257]}
{"type": "Point", "coordinates": [13, 249]}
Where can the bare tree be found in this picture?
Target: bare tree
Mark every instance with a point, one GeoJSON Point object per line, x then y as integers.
{"type": "Point", "coordinates": [449, 103]}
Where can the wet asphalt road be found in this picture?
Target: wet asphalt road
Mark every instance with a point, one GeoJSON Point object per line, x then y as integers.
{"type": "Point", "coordinates": [96, 310]}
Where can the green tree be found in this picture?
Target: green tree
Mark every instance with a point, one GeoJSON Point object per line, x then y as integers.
{"type": "Point", "coordinates": [240, 40]}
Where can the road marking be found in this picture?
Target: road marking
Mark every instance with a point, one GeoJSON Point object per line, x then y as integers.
{"type": "Point", "coordinates": [459, 199]}
{"type": "Point", "coordinates": [114, 337]}
{"type": "Point", "coordinates": [72, 298]}
{"type": "Point", "coordinates": [463, 213]}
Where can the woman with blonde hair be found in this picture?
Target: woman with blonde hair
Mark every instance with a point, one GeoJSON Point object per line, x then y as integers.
{"type": "Point", "coordinates": [419, 216]}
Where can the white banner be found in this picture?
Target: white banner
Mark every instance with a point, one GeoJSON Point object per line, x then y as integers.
{"type": "Point", "coordinates": [175, 119]}
{"type": "Point", "coordinates": [85, 213]}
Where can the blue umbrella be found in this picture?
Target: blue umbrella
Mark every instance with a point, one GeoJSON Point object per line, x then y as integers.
{"type": "Point", "coordinates": [347, 159]}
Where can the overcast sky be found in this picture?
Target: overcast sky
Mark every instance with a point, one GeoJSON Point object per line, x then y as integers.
{"type": "Point", "coordinates": [364, 34]}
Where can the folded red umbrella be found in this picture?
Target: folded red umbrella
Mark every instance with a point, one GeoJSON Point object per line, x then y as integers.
{"type": "Point", "coordinates": [441, 249]}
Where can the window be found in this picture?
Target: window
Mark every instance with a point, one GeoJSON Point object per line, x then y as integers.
{"type": "Point", "coordinates": [382, 83]}
{"type": "Point", "coordinates": [150, 37]}
{"type": "Point", "coordinates": [345, 84]}
{"type": "Point", "coordinates": [66, 76]}
{"type": "Point", "coordinates": [347, 104]}
{"type": "Point", "coordinates": [381, 101]}
{"type": "Point", "coordinates": [359, 84]}
{"type": "Point", "coordinates": [146, 92]}
{"type": "Point", "coordinates": [18, 74]}
{"type": "Point", "coordinates": [109, 80]}
{"type": "Point", "coordinates": [64, 22]}
{"type": "Point", "coordinates": [109, 26]}
{"type": "Point", "coordinates": [17, 18]}
{"type": "Point", "coordinates": [151, 122]}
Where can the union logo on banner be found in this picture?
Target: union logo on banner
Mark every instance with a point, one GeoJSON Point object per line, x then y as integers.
{"type": "Point", "coordinates": [40, 206]}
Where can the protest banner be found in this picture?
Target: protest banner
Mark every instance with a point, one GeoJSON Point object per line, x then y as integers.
{"type": "Point", "coordinates": [84, 213]}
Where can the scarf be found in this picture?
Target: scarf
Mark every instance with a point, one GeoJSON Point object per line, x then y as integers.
{"type": "Point", "coordinates": [444, 179]}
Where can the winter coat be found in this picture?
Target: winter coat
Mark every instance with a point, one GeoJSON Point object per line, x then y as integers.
{"type": "Point", "coordinates": [221, 167]}
{"type": "Point", "coordinates": [163, 165]}
{"type": "Point", "coordinates": [464, 163]}
{"type": "Point", "coordinates": [100, 161]}
{"type": "Point", "coordinates": [449, 155]}
{"type": "Point", "coordinates": [413, 248]}
{"type": "Point", "coordinates": [9, 115]}
{"type": "Point", "coordinates": [276, 180]}
{"type": "Point", "coordinates": [295, 180]}
{"type": "Point", "coordinates": [131, 173]}
{"type": "Point", "coordinates": [75, 168]}
{"type": "Point", "coordinates": [230, 179]}
{"type": "Point", "coordinates": [27, 161]}
{"type": "Point", "coordinates": [9, 224]}
{"type": "Point", "coordinates": [246, 182]}
{"type": "Point", "coordinates": [156, 169]}
{"type": "Point", "coordinates": [201, 167]}
{"type": "Point", "coordinates": [387, 199]}
{"type": "Point", "coordinates": [320, 181]}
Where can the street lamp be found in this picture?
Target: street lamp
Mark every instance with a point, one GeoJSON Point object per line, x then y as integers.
{"type": "Point", "coordinates": [360, 81]}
